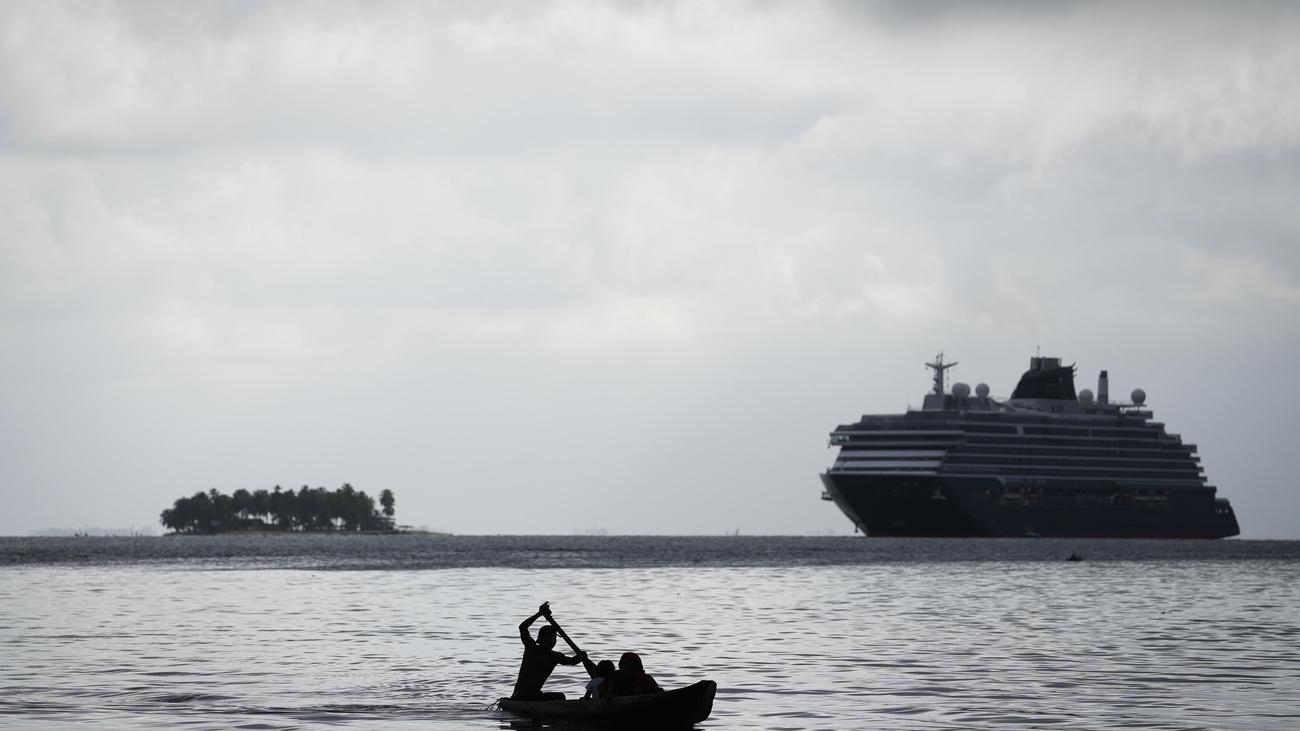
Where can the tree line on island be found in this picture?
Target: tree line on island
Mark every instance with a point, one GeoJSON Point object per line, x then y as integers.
{"type": "Point", "coordinates": [307, 509]}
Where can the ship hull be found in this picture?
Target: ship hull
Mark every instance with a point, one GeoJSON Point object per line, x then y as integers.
{"type": "Point", "coordinates": [949, 506]}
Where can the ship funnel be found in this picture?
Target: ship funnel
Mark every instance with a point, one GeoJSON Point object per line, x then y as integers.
{"type": "Point", "coordinates": [1103, 388]}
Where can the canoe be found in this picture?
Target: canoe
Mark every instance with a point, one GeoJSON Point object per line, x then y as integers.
{"type": "Point", "coordinates": [675, 708]}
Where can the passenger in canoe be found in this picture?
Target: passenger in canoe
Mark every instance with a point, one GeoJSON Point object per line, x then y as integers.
{"type": "Point", "coordinates": [601, 684]}
{"type": "Point", "coordinates": [631, 677]}
{"type": "Point", "coordinates": [540, 658]}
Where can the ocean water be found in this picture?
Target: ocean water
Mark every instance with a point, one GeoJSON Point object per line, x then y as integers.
{"type": "Point", "coordinates": [287, 632]}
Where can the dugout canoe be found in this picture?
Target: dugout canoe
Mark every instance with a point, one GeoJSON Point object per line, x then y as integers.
{"type": "Point", "coordinates": [675, 708]}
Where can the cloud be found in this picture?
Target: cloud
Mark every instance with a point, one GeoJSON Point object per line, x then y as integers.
{"type": "Point", "coordinates": [583, 210]}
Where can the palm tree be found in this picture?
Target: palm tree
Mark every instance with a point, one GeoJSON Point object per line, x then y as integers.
{"type": "Point", "coordinates": [282, 508]}
{"type": "Point", "coordinates": [304, 508]}
{"type": "Point", "coordinates": [345, 501]}
{"type": "Point", "coordinates": [261, 505]}
{"type": "Point", "coordinates": [241, 504]}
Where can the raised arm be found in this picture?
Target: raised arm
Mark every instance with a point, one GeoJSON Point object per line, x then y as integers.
{"type": "Point", "coordinates": [526, 638]}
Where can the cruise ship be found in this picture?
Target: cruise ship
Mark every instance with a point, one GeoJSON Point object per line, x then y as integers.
{"type": "Point", "coordinates": [1046, 462]}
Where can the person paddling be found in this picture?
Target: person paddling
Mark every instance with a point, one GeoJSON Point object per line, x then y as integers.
{"type": "Point", "coordinates": [540, 658]}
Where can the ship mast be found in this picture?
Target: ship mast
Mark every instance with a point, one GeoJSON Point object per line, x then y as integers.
{"type": "Point", "coordinates": [938, 366]}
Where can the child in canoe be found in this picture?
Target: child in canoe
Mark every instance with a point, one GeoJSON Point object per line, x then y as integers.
{"type": "Point", "coordinates": [601, 684]}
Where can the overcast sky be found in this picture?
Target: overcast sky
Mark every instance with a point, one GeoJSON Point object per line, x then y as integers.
{"type": "Point", "coordinates": [561, 267]}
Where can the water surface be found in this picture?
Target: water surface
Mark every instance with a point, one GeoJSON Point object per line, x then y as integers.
{"type": "Point", "coordinates": [391, 632]}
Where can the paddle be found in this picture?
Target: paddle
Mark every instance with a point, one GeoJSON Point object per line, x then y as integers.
{"type": "Point", "coordinates": [586, 663]}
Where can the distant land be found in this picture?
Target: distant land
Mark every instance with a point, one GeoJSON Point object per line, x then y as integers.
{"type": "Point", "coordinates": [94, 530]}
{"type": "Point", "coordinates": [308, 509]}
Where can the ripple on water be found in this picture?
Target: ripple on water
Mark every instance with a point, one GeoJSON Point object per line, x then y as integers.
{"type": "Point", "coordinates": [890, 644]}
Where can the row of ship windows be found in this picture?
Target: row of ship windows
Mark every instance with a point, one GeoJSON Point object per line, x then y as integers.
{"type": "Point", "coordinates": [1149, 442]}
{"type": "Point", "coordinates": [894, 424]}
{"type": "Point", "coordinates": [1144, 432]}
{"type": "Point", "coordinates": [1055, 470]}
{"type": "Point", "coordinates": [1060, 431]}
{"type": "Point", "coordinates": [1080, 463]}
{"type": "Point", "coordinates": [952, 458]}
{"type": "Point", "coordinates": [940, 441]}
{"type": "Point", "coordinates": [1058, 474]}
{"type": "Point", "coordinates": [1141, 433]}
{"type": "Point", "coordinates": [1144, 498]}
{"type": "Point", "coordinates": [1001, 459]}
{"type": "Point", "coordinates": [1098, 452]}
{"type": "Point", "coordinates": [1033, 496]}
{"type": "Point", "coordinates": [1034, 452]}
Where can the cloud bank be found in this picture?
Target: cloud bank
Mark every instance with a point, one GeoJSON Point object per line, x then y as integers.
{"type": "Point", "coordinates": [551, 267]}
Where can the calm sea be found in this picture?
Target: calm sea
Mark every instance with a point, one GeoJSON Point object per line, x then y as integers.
{"type": "Point", "coordinates": [284, 632]}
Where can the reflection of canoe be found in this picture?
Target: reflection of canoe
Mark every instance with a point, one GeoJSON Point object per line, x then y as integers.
{"type": "Point", "coordinates": [681, 707]}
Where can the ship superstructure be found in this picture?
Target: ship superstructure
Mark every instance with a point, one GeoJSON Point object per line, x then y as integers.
{"type": "Point", "coordinates": [1046, 462]}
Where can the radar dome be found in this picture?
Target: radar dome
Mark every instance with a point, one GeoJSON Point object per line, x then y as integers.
{"type": "Point", "coordinates": [1138, 396]}
{"type": "Point", "coordinates": [1085, 396]}
{"type": "Point", "coordinates": [960, 390]}
{"type": "Point", "coordinates": [982, 390]}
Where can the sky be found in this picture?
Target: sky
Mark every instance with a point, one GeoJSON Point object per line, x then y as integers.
{"type": "Point", "coordinates": [568, 267]}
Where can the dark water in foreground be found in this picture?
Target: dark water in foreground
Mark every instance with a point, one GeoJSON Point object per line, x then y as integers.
{"type": "Point", "coordinates": [277, 632]}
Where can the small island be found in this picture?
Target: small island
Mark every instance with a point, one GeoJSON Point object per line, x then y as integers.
{"type": "Point", "coordinates": [308, 509]}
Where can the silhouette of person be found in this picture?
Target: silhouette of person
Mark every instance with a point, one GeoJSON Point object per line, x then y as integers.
{"type": "Point", "coordinates": [601, 684]}
{"type": "Point", "coordinates": [540, 658]}
{"type": "Point", "coordinates": [631, 677]}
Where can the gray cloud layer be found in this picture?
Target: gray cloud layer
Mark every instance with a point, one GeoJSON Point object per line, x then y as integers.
{"type": "Point", "coordinates": [550, 267]}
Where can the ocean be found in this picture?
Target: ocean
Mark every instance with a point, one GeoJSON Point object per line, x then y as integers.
{"type": "Point", "coordinates": [370, 632]}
